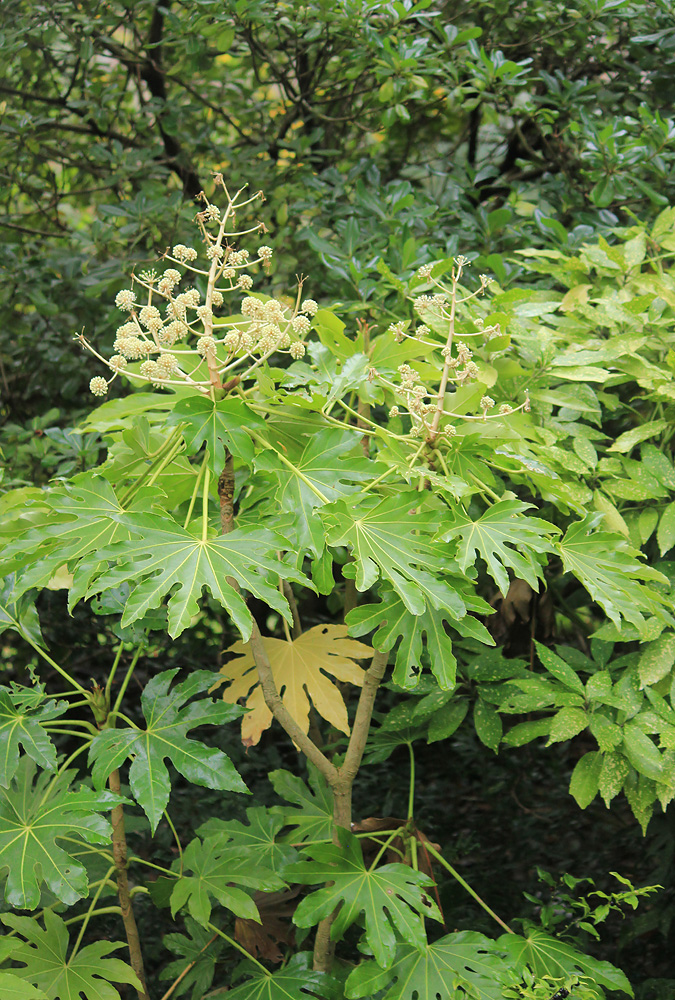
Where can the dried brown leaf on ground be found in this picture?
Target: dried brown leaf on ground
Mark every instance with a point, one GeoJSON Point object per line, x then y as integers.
{"type": "Point", "coordinates": [275, 928]}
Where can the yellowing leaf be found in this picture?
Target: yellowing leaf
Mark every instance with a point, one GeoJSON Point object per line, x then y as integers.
{"type": "Point", "coordinates": [299, 668]}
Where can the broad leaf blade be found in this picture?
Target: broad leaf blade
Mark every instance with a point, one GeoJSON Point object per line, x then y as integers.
{"type": "Point", "coordinates": [168, 719]}
{"type": "Point", "coordinates": [391, 898]}
{"type": "Point", "coordinates": [299, 668]}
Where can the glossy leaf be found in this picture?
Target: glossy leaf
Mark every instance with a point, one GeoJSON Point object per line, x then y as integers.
{"type": "Point", "coordinates": [198, 955]}
{"type": "Point", "coordinates": [218, 871]}
{"type": "Point", "coordinates": [87, 974]}
{"type": "Point", "coordinates": [169, 558]}
{"type": "Point", "coordinates": [20, 725]}
{"type": "Point", "coordinates": [465, 964]}
{"type": "Point", "coordinates": [505, 539]}
{"type": "Point", "coordinates": [168, 720]}
{"type": "Point", "coordinates": [391, 898]}
{"type": "Point", "coordinates": [35, 816]}
{"type": "Point", "coordinates": [311, 810]}
{"type": "Point", "coordinates": [296, 981]}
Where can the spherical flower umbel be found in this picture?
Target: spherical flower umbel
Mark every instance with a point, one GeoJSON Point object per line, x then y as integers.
{"type": "Point", "coordinates": [251, 307]}
{"type": "Point", "coordinates": [297, 350]}
{"type": "Point", "coordinates": [486, 403]}
{"type": "Point", "coordinates": [98, 386]}
{"type": "Point", "coordinates": [310, 307]}
{"type": "Point", "coordinates": [131, 347]}
{"type": "Point", "coordinates": [125, 300]}
{"type": "Point", "coordinates": [394, 411]}
{"type": "Point", "coordinates": [301, 324]}
{"type": "Point", "coordinates": [245, 281]}
{"type": "Point", "coordinates": [205, 344]}
{"type": "Point", "coordinates": [149, 315]}
{"type": "Point", "coordinates": [505, 409]}
{"type": "Point", "coordinates": [167, 363]}
{"type": "Point", "coordinates": [183, 253]}
{"type": "Point", "coordinates": [150, 370]}
{"type": "Point", "coordinates": [425, 271]}
{"type": "Point", "coordinates": [217, 298]}
{"type": "Point", "coordinates": [265, 253]}
{"type": "Point", "coordinates": [117, 362]}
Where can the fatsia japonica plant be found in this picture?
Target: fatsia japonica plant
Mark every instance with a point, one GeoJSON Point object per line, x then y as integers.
{"type": "Point", "coordinates": [277, 466]}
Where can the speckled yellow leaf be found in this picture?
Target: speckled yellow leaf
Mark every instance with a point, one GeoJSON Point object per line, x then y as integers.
{"type": "Point", "coordinates": [299, 668]}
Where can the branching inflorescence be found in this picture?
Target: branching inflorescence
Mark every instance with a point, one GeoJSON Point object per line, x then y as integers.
{"type": "Point", "coordinates": [188, 337]}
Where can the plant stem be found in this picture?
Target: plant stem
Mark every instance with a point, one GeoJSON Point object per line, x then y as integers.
{"type": "Point", "coordinates": [205, 504]}
{"type": "Point", "coordinates": [64, 673]}
{"type": "Point", "coordinates": [175, 983]}
{"type": "Point", "coordinates": [240, 948]}
{"type": "Point", "coordinates": [125, 682]}
{"type": "Point", "coordinates": [89, 913]}
{"type": "Point", "coordinates": [195, 491]}
{"type": "Point", "coordinates": [119, 848]}
{"type": "Point", "coordinates": [411, 790]}
{"type": "Point", "coordinates": [472, 892]}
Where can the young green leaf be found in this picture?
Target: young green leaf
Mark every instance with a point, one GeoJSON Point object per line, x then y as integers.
{"type": "Point", "coordinates": [258, 839]}
{"type": "Point", "coordinates": [427, 632]}
{"type": "Point", "coordinates": [324, 465]}
{"type": "Point", "coordinates": [296, 981]}
{"type": "Point", "coordinates": [504, 539]}
{"type": "Point", "coordinates": [168, 720]}
{"type": "Point", "coordinates": [390, 898]}
{"type": "Point", "coordinates": [47, 965]}
{"type": "Point", "coordinates": [549, 956]}
{"type": "Point", "coordinates": [222, 426]}
{"type": "Point", "coordinates": [611, 574]}
{"type": "Point", "coordinates": [198, 954]}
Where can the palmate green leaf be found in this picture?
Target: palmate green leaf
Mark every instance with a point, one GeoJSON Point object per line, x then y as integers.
{"type": "Point", "coordinates": [31, 828]}
{"type": "Point", "coordinates": [390, 539]}
{"type": "Point", "coordinates": [296, 981]}
{"type": "Point", "coordinates": [218, 869]}
{"type": "Point", "coordinates": [391, 898]}
{"type": "Point", "coordinates": [609, 570]}
{"type": "Point", "coordinates": [222, 426]}
{"type": "Point", "coordinates": [311, 810]}
{"type": "Point", "coordinates": [326, 461]}
{"type": "Point", "coordinates": [549, 956]}
{"type": "Point", "coordinates": [19, 614]}
{"type": "Point", "coordinates": [14, 988]}
{"type": "Point", "coordinates": [87, 974]}
{"type": "Point", "coordinates": [20, 726]}
{"type": "Point", "coordinates": [427, 631]}
{"type": "Point", "coordinates": [169, 557]}
{"type": "Point", "coordinates": [258, 839]}
{"type": "Point", "coordinates": [198, 953]}
{"type": "Point", "coordinates": [86, 517]}
{"type": "Point", "coordinates": [505, 539]}
{"type": "Point", "coordinates": [168, 720]}
{"type": "Point", "coordinates": [461, 965]}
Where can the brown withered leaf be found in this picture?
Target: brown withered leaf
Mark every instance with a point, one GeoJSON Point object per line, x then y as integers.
{"type": "Point", "coordinates": [299, 668]}
{"type": "Point", "coordinates": [275, 928]}
{"type": "Point", "coordinates": [396, 850]}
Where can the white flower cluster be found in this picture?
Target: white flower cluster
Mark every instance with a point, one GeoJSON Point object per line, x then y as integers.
{"type": "Point", "coordinates": [178, 335]}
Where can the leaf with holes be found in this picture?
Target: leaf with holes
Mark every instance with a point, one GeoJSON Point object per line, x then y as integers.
{"type": "Point", "coordinates": [461, 965]}
{"type": "Point", "coordinates": [168, 720]}
{"type": "Point", "coordinates": [311, 810]}
{"type": "Point", "coordinates": [299, 668]}
{"type": "Point", "coordinates": [548, 956]}
{"type": "Point", "coordinates": [324, 466]}
{"type": "Point", "coordinates": [222, 426]}
{"type": "Point", "coordinates": [609, 570]}
{"type": "Point", "coordinates": [169, 558]}
{"type": "Point", "coordinates": [218, 871]}
{"type": "Point", "coordinates": [504, 539]}
{"type": "Point", "coordinates": [34, 816]}
{"type": "Point", "coordinates": [391, 539]}
{"type": "Point", "coordinates": [85, 973]}
{"type": "Point", "coordinates": [391, 898]}
{"type": "Point", "coordinates": [427, 632]}
{"type": "Point", "coordinates": [20, 726]}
